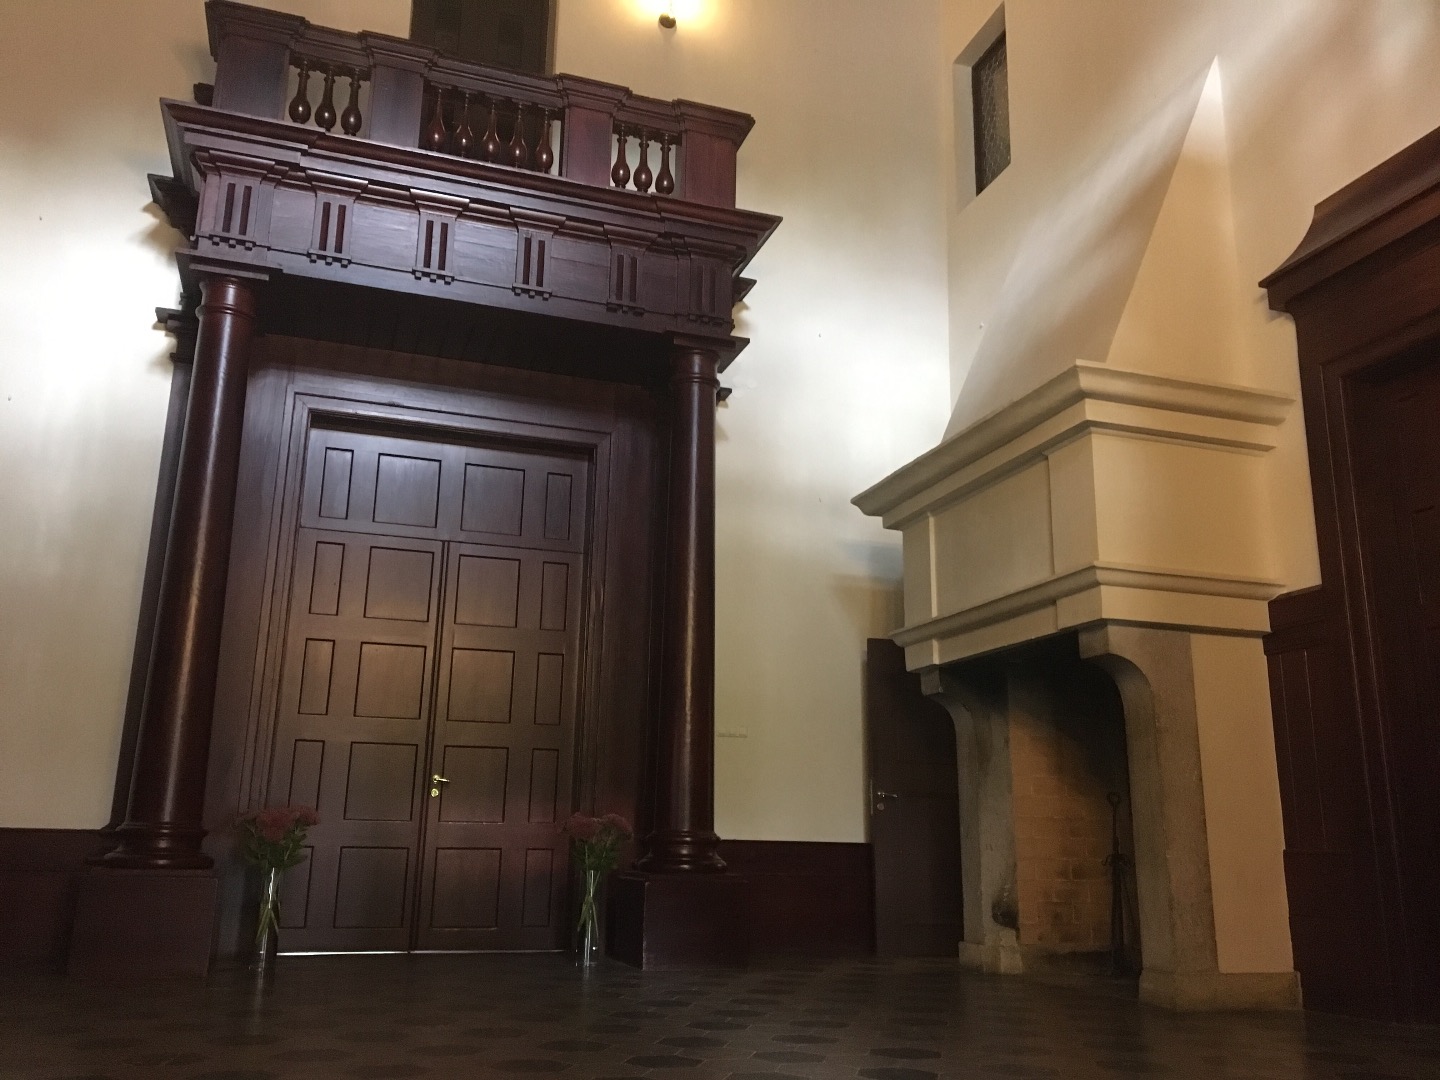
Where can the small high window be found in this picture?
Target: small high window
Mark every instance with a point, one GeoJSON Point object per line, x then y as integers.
{"type": "Point", "coordinates": [990, 107]}
{"type": "Point", "coordinates": [515, 34]}
{"type": "Point", "coordinates": [982, 110]}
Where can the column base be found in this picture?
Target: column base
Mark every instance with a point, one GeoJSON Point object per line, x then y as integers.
{"type": "Point", "coordinates": [992, 959]}
{"type": "Point", "coordinates": [143, 923]}
{"type": "Point", "coordinates": [1208, 991]}
{"type": "Point", "coordinates": [667, 921]}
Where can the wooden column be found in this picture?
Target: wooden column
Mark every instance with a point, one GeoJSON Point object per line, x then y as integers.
{"type": "Point", "coordinates": [162, 828]}
{"type": "Point", "coordinates": [684, 837]}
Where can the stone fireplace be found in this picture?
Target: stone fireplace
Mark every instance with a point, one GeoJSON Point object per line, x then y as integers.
{"type": "Point", "coordinates": [1085, 594]}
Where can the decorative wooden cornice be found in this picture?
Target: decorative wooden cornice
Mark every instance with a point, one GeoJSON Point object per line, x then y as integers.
{"type": "Point", "coordinates": [254, 185]}
{"type": "Point", "coordinates": [1386, 204]}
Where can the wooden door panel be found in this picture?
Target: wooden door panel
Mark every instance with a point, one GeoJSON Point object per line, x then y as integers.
{"type": "Point", "coordinates": [409, 654]}
{"type": "Point", "coordinates": [504, 742]}
{"type": "Point", "coordinates": [354, 702]}
{"type": "Point", "coordinates": [398, 485]}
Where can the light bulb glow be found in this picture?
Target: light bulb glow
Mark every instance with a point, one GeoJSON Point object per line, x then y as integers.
{"type": "Point", "coordinates": [684, 13]}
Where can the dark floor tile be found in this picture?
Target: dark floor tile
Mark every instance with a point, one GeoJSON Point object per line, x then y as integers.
{"type": "Point", "coordinates": [449, 1050]}
{"type": "Point", "coordinates": [530, 1065]}
{"type": "Point", "coordinates": [574, 1046]}
{"type": "Point", "coordinates": [493, 1032]}
{"type": "Point", "coordinates": [663, 1061]}
{"type": "Point", "coordinates": [311, 1055]}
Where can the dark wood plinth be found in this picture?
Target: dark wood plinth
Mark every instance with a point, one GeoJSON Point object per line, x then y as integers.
{"type": "Point", "coordinates": [143, 923]}
{"type": "Point", "coordinates": [659, 921]}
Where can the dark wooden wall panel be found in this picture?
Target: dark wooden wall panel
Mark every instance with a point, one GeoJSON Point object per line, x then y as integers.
{"type": "Point", "coordinates": [802, 899]}
{"type": "Point", "coordinates": [38, 868]}
{"type": "Point", "coordinates": [1364, 290]}
{"type": "Point", "coordinates": [811, 899]}
{"type": "Point", "coordinates": [1336, 917]}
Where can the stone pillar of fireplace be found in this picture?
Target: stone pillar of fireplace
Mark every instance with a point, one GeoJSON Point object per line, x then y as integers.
{"type": "Point", "coordinates": [988, 883]}
{"type": "Point", "coordinates": [1214, 916]}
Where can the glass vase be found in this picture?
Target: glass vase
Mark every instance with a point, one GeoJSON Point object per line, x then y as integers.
{"type": "Point", "coordinates": [267, 932]}
{"type": "Point", "coordinates": [587, 944]}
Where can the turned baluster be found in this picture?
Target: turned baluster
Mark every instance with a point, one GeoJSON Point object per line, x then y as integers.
{"type": "Point", "coordinates": [464, 133]}
{"type": "Point", "coordinates": [544, 155]}
{"type": "Point", "coordinates": [643, 176]}
{"type": "Point", "coordinates": [665, 181]}
{"type": "Point", "coordinates": [620, 174]}
{"type": "Point", "coordinates": [435, 133]}
{"type": "Point", "coordinates": [350, 119]}
{"type": "Point", "coordinates": [299, 108]}
{"type": "Point", "coordinates": [491, 145]}
{"type": "Point", "coordinates": [325, 114]}
{"type": "Point", "coordinates": [519, 152]}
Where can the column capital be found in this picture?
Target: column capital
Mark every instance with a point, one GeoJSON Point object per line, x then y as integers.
{"type": "Point", "coordinates": [197, 269]}
{"type": "Point", "coordinates": [694, 363]}
{"type": "Point", "coordinates": [722, 349]}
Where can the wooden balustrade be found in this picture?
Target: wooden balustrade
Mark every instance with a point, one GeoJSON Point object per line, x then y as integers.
{"type": "Point", "coordinates": [486, 127]}
{"type": "Point", "coordinates": [324, 112]}
{"type": "Point", "coordinates": [390, 90]}
{"type": "Point", "coordinates": [643, 176]}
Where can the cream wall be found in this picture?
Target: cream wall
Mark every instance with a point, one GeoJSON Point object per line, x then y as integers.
{"type": "Point", "coordinates": [846, 379]}
{"type": "Point", "coordinates": [1304, 96]}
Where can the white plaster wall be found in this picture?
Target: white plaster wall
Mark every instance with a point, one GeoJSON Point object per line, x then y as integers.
{"type": "Point", "coordinates": [84, 380]}
{"type": "Point", "coordinates": [846, 379]}
{"type": "Point", "coordinates": [1315, 92]}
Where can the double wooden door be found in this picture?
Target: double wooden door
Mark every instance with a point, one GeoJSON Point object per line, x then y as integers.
{"type": "Point", "coordinates": [428, 695]}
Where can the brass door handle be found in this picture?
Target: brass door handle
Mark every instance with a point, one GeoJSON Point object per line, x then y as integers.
{"type": "Point", "coordinates": [435, 782]}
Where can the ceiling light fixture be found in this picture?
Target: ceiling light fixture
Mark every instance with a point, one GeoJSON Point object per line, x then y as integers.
{"type": "Point", "coordinates": [667, 17]}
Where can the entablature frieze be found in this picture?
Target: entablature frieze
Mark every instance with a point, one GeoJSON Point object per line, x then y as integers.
{"type": "Point", "coordinates": [348, 211]}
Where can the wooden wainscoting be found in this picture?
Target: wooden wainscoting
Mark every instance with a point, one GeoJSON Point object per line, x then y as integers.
{"type": "Point", "coordinates": [1353, 674]}
{"type": "Point", "coordinates": [803, 899]}
{"type": "Point", "coordinates": [38, 868]}
{"type": "Point", "coordinates": [808, 899]}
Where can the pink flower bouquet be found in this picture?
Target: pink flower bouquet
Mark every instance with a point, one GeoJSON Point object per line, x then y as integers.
{"type": "Point", "coordinates": [596, 843]}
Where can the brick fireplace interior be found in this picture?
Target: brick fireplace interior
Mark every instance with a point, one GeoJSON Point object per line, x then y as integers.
{"type": "Point", "coordinates": [1067, 758]}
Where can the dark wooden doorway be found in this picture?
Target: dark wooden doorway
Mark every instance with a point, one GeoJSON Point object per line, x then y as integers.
{"type": "Point", "coordinates": [1397, 469]}
{"type": "Point", "coordinates": [428, 691]}
{"type": "Point", "coordinates": [471, 561]}
{"type": "Point", "coordinates": [914, 810]}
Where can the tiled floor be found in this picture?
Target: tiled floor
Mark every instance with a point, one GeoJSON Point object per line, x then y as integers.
{"type": "Point", "coordinates": [492, 1017]}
